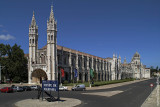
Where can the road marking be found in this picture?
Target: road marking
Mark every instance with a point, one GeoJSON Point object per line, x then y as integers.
{"type": "Point", "coordinates": [106, 93]}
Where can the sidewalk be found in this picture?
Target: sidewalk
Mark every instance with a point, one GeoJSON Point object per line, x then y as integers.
{"type": "Point", "coordinates": [87, 88]}
{"type": "Point", "coordinates": [114, 85]}
{"type": "Point", "coordinates": [65, 102]}
{"type": "Point", "coordinates": [151, 101]}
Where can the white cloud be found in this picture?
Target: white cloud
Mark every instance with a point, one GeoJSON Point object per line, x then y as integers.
{"type": "Point", "coordinates": [7, 37]}
{"type": "Point", "coordinates": [1, 25]}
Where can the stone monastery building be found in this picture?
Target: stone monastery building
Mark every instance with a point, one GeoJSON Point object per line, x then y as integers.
{"type": "Point", "coordinates": [46, 63]}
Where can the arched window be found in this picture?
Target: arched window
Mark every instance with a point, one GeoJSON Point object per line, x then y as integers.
{"type": "Point", "coordinates": [40, 59]}
{"type": "Point", "coordinates": [51, 37]}
{"type": "Point", "coordinates": [32, 40]}
{"type": "Point", "coordinates": [65, 61]}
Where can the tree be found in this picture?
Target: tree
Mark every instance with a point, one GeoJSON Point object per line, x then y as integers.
{"type": "Point", "coordinates": [2, 50]}
{"type": "Point", "coordinates": [15, 63]}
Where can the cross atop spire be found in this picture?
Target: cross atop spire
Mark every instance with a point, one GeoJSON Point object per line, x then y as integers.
{"type": "Point", "coordinates": [51, 18]}
{"type": "Point", "coordinates": [33, 22]}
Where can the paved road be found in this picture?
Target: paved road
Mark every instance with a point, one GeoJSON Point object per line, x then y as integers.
{"type": "Point", "coordinates": [132, 95]}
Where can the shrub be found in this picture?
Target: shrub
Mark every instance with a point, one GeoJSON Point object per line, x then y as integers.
{"type": "Point", "coordinates": [16, 79]}
{"type": "Point", "coordinates": [65, 82]}
{"type": "Point", "coordinates": [71, 81]}
{"type": "Point", "coordinates": [79, 81]}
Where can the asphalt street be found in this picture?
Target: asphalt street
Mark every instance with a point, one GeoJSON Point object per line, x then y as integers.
{"type": "Point", "coordinates": [132, 95]}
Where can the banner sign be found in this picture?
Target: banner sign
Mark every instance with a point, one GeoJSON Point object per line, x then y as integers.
{"type": "Point", "coordinates": [49, 85]}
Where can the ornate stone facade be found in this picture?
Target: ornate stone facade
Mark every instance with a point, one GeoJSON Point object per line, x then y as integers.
{"type": "Point", "coordinates": [50, 59]}
{"type": "Point", "coordinates": [134, 69]}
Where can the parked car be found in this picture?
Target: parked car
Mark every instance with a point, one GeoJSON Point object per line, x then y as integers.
{"type": "Point", "coordinates": [63, 88]}
{"type": "Point", "coordinates": [17, 88]}
{"type": "Point", "coordinates": [6, 89]}
{"type": "Point", "coordinates": [26, 88]}
{"type": "Point", "coordinates": [79, 87]}
{"type": "Point", "coordinates": [35, 87]}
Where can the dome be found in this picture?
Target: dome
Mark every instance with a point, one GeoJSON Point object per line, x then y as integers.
{"type": "Point", "coordinates": [136, 55]}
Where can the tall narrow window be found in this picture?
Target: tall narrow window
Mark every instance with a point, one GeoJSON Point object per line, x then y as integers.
{"type": "Point", "coordinates": [32, 40]}
{"type": "Point", "coordinates": [51, 37]}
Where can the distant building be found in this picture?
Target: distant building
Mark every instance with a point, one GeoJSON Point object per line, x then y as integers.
{"type": "Point", "coordinates": [46, 63]}
{"type": "Point", "coordinates": [135, 69]}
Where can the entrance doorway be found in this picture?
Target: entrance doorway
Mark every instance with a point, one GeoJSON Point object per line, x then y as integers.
{"type": "Point", "coordinates": [38, 75]}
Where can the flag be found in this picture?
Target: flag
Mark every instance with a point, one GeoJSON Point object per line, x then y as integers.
{"type": "Point", "coordinates": [75, 73]}
{"type": "Point", "coordinates": [91, 73]}
{"type": "Point", "coordinates": [62, 72]}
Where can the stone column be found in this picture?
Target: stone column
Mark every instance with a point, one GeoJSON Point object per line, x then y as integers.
{"type": "Point", "coordinates": [70, 63]}
{"type": "Point", "coordinates": [103, 70]}
{"type": "Point", "coordinates": [88, 70]}
{"type": "Point", "coordinates": [83, 77]}
{"type": "Point", "coordinates": [96, 70]}
{"type": "Point", "coordinates": [106, 73]}
{"type": "Point", "coordinates": [110, 71]}
{"type": "Point", "coordinates": [77, 67]}
{"type": "Point", "coordinates": [92, 63]}
{"type": "Point", "coordinates": [100, 70]}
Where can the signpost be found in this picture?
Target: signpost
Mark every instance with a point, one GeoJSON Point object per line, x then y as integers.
{"type": "Point", "coordinates": [151, 85]}
{"type": "Point", "coordinates": [50, 85]}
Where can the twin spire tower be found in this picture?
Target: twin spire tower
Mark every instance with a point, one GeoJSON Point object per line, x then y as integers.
{"type": "Point", "coordinates": [51, 46]}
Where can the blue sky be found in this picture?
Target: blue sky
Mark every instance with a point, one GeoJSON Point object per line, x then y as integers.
{"type": "Point", "coordinates": [97, 27]}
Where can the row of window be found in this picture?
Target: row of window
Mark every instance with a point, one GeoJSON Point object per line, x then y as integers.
{"type": "Point", "coordinates": [50, 37]}
{"type": "Point", "coordinates": [65, 62]}
{"type": "Point", "coordinates": [31, 41]}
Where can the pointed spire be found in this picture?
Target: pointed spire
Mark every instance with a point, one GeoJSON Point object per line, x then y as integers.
{"type": "Point", "coordinates": [51, 18]}
{"type": "Point", "coordinates": [125, 61]}
{"type": "Point", "coordinates": [33, 22]}
{"type": "Point", "coordinates": [119, 57]}
{"type": "Point", "coordinates": [113, 55]}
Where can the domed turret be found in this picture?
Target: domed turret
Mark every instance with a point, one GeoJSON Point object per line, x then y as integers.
{"type": "Point", "coordinates": [136, 59]}
{"type": "Point", "coordinates": [136, 55]}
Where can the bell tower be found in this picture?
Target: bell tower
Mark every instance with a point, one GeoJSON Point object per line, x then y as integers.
{"type": "Point", "coordinates": [51, 46]}
{"type": "Point", "coordinates": [33, 45]}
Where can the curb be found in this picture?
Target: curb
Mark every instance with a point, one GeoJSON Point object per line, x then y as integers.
{"type": "Point", "coordinates": [149, 96]}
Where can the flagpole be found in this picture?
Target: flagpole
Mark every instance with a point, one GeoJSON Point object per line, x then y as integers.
{"type": "Point", "coordinates": [90, 79]}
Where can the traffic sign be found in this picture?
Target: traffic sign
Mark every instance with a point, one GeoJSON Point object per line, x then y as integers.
{"type": "Point", "coordinates": [151, 85]}
{"type": "Point", "coordinates": [49, 85]}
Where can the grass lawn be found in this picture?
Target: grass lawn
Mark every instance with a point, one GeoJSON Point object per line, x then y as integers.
{"type": "Point", "coordinates": [100, 83]}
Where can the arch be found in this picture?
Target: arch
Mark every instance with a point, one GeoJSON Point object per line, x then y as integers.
{"type": "Point", "coordinates": [80, 76]}
{"type": "Point", "coordinates": [86, 77]}
{"type": "Point", "coordinates": [38, 75]}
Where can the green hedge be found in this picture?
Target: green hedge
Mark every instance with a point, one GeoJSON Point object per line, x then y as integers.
{"type": "Point", "coordinates": [100, 83]}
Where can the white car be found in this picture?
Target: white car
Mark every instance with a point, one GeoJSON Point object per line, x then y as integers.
{"type": "Point", "coordinates": [63, 88]}
{"type": "Point", "coordinates": [35, 87]}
